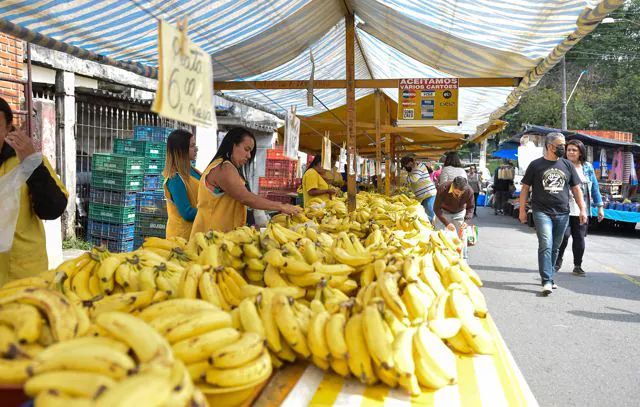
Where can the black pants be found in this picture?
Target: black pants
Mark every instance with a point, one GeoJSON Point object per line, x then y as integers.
{"type": "Point", "coordinates": [578, 232]}
{"type": "Point", "coordinates": [501, 198]}
{"type": "Point", "coordinates": [475, 202]}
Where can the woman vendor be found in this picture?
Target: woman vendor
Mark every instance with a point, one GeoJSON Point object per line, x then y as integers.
{"type": "Point", "coordinates": [223, 193]}
{"type": "Point", "coordinates": [313, 183]}
{"type": "Point", "coordinates": [42, 196]}
{"type": "Point", "coordinates": [181, 183]}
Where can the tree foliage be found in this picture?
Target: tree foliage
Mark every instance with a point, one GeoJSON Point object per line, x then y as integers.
{"type": "Point", "coordinates": [607, 96]}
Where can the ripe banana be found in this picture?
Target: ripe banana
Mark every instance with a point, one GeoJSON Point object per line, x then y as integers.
{"type": "Point", "coordinates": [176, 305]}
{"type": "Point", "coordinates": [354, 260]}
{"type": "Point", "coordinates": [61, 315]}
{"type": "Point", "coordinates": [402, 349]}
{"type": "Point", "coordinates": [472, 330]}
{"type": "Point", "coordinates": [52, 398]}
{"type": "Point", "coordinates": [435, 364]}
{"type": "Point", "coordinates": [251, 251]}
{"type": "Point", "coordinates": [78, 343]}
{"type": "Point", "coordinates": [147, 344]}
{"type": "Point", "coordinates": [335, 336]}
{"type": "Point", "coordinates": [389, 290]}
{"type": "Point", "coordinates": [359, 359]}
{"type": "Point", "coordinates": [78, 384]}
{"type": "Point", "coordinates": [201, 347]}
{"type": "Point", "coordinates": [255, 371]}
{"type": "Point", "coordinates": [188, 287]}
{"type": "Point", "coordinates": [143, 389]}
{"type": "Point", "coordinates": [244, 350]}
{"type": "Point", "coordinates": [126, 302]}
{"type": "Point", "coordinates": [194, 325]}
{"type": "Point", "coordinates": [250, 318]}
{"type": "Point", "coordinates": [264, 302]}
{"type": "Point", "coordinates": [210, 292]}
{"type": "Point", "coordinates": [90, 358]}
{"type": "Point", "coordinates": [288, 325]}
{"type": "Point", "coordinates": [13, 371]}
{"type": "Point", "coordinates": [106, 273]}
{"type": "Point", "coordinates": [295, 267]}
{"type": "Point", "coordinates": [316, 336]}
{"type": "Point", "coordinates": [24, 319]}
{"type": "Point", "coordinates": [445, 328]}
{"type": "Point", "coordinates": [377, 341]}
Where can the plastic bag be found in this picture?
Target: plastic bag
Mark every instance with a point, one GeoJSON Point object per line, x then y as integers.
{"type": "Point", "coordinates": [10, 185]}
{"type": "Point", "coordinates": [471, 233]}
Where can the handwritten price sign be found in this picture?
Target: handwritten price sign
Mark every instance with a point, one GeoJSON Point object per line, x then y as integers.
{"type": "Point", "coordinates": [185, 80]}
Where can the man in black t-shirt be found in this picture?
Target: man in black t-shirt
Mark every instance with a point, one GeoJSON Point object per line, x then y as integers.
{"type": "Point", "coordinates": [549, 179]}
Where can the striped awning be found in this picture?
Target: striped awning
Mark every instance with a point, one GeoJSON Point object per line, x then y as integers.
{"type": "Point", "coordinates": [273, 39]}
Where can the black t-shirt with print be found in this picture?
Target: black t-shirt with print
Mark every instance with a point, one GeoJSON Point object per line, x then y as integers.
{"type": "Point", "coordinates": [550, 183]}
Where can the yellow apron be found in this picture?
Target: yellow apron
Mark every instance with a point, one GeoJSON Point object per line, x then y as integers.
{"type": "Point", "coordinates": [176, 224]}
{"type": "Point", "coordinates": [217, 210]}
{"type": "Point", "coordinates": [28, 255]}
{"type": "Point", "coordinates": [312, 180]}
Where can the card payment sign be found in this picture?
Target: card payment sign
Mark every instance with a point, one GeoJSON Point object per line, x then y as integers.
{"type": "Point", "coordinates": [428, 99]}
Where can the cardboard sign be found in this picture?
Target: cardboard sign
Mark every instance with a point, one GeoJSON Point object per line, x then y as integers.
{"type": "Point", "coordinates": [428, 102]}
{"type": "Point", "coordinates": [185, 79]}
{"type": "Point", "coordinates": [291, 135]}
{"type": "Point", "coordinates": [326, 153]}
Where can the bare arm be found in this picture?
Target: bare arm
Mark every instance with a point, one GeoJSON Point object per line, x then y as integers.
{"type": "Point", "coordinates": [228, 178]}
{"type": "Point", "coordinates": [318, 191]}
{"type": "Point", "coordinates": [524, 194]}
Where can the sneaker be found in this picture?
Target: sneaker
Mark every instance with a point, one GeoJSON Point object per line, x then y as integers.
{"type": "Point", "coordinates": [558, 265]}
{"type": "Point", "coordinates": [554, 286]}
{"type": "Point", "coordinates": [546, 288]}
{"type": "Point", "coordinates": [577, 270]}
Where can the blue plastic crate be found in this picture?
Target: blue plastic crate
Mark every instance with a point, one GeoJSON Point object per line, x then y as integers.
{"type": "Point", "coordinates": [137, 242]}
{"type": "Point", "coordinates": [111, 230]}
{"type": "Point", "coordinates": [152, 203]}
{"type": "Point", "coordinates": [107, 197]}
{"type": "Point", "coordinates": [151, 133]}
{"type": "Point", "coordinates": [114, 246]}
{"type": "Point", "coordinates": [153, 182]}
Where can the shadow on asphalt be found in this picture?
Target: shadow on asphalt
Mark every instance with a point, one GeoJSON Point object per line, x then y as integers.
{"type": "Point", "coordinates": [510, 286]}
{"type": "Point", "coordinates": [505, 269]}
{"type": "Point", "coordinates": [621, 316]}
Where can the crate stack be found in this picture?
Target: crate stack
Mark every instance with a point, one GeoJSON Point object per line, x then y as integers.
{"type": "Point", "coordinates": [115, 180]}
{"type": "Point", "coordinates": [151, 206]}
{"type": "Point", "coordinates": [280, 177]}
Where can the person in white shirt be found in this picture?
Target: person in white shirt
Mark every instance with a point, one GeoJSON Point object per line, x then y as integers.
{"type": "Point", "coordinates": [452, 168]}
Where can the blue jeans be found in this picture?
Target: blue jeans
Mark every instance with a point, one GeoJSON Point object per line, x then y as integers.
{"type": "Point", "coordinates": [550, 231]}
{"type": "Point", "coordinates": [428, 207]}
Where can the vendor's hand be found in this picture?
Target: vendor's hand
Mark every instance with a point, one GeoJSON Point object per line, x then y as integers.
{"type": "Point", "coordinates": [600, 213]}
{"type": "Point", "coordinates": [523, 216]}
{"type": "Point", "coordinates": [21, 143]}
{"type": "Point", "coordinates": [583, 217]}
{"type": "Point", "coordinates": [451, 227]}
{"type": "Point", "coordinates": [290, 209]}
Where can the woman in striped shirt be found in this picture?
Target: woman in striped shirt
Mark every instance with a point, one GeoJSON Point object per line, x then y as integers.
{"type": "Point", "coordinates": [421, 184]}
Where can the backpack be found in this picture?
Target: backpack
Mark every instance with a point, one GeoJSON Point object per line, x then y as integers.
{"type": "Point", "coordinates": [506, 173]}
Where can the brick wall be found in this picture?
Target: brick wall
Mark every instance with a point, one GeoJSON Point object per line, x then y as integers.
{"type": "Point", "coordinates": [11, 60]}
{"type": "Point", "coordinates": [610, 134]}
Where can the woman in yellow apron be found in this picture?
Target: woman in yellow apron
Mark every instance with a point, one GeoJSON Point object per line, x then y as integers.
{"type": "Point", "coordinates": [42, 196]}
{"type": "Point", "coordinates": [181, 183]}
{"type": "Point", "coordinates": [313, 183]}
{"type": "Point", "coordinates": [223, 194]}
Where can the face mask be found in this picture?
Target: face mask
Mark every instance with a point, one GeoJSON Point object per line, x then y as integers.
{"type": "Point", "coordinates": [560, 150]}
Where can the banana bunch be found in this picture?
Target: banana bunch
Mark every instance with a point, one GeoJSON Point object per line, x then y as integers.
{"type": "Point", "coordinates": [133, 364]}
{"type": "Point", "coordinates": [221, 286]}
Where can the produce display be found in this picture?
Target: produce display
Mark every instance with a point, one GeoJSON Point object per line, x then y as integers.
{"type": "Point", "coordinates": [376, 295]}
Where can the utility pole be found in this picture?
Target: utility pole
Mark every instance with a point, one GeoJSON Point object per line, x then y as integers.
{"type": "Point", "coordinates": [564, 93]}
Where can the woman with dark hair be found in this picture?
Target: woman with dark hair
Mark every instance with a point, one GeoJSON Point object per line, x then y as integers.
{"type": "Point", "coordinates": [313, 183]}
{"type": "Point", "coordinates": [42, 196]}
{"type": "Point", "coordinates": [181, 183]}
{"type": "Point", "coordinates": [452, 168]}
{"type": "Point", "coordinates": [577, 154]}
{"type": "Point", "coordinates": [223, 193]}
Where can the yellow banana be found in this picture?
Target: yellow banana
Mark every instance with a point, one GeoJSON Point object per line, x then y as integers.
{"type": "Point", "coordinates": [147, 344]}
{"type": "Point", "coordinates": [210, 292]}
{"type": "Point", "coordinates": [274, 258]}
{"type": "Point", "coordinates": [386, 376]}
{"type": "Point", "coordinates": [250, 317]}
{"type": "Point", "coordinates": [52, 398]}
{"type": "Point", "coordinates": [79, 384]}
{"type": "Point", "coordinates": [198, 370]}
{"type": "Point", "coordinates": [199, 323]}
{"type": "Point", "coordinates": [255, 264]}
{"type": "Point", "coordinates": [147, 279]}
{"type": "Point", "coordinates": [402, 349]}
{"type": "Point", "coordinates": [340, 366]}
{"type": "Point", "coordinates": [253, 372]}
{"type": "Point", "coordinates": [24, 319]}
{"type": "Point", "coordinates": [176, 305]}
{"type": "Point", "coordinates": [126, 302]}
{"type": "Point", "coordinates": [295, 267]}
{"type": "Point", "coordinates": [14, 371]}
{"type": "Point", "coordinates": [264, 302]}
{"type": "Point", "coordinates": [359, 359]}
{"type": "Point", "coordinates": [272, 277]}
{"type": "Point", "coordinates": [389, 289]}
{"type": "Point", "coordinates": [353, 260]}
{"type": "Point", "coordinates": [188, 287]}
{"type": "Point", "coordinates": [307, 280]}
{"type": "Point", "coordinates": [333, 269]}
{"type": "Point", "coordinates": [201, 347]}
{"type": "Point", "coordinates": [316, 336]}
{"type": "Point", "coordinates": [244, 350]}
{"type": "Point", "coordinates": [436, 364]}
{"type": "Point", "coordinates": [143, 389]}
{"type": "Point", "coordinates": [377, 342]}
{"type": "Point", "coordinates": [78, 343]}
{"type": "Point", "coordinates": [335, 336]}
{"type": "Point", "coordinates": [80, 282]}
{"type": "Point", "coordinates": [251, 251]}
{"type": "Point", "coordinates": [416, 301]}
{"type": "Point", "coordinates": [106, 273]}
{"type": "Point", "coordinates": [287, 324]}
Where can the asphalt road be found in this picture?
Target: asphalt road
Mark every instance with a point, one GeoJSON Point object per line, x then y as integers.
{"type": "Point", "coordinates": [579, 346]}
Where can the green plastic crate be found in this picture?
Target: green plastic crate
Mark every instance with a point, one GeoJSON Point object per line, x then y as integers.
{"type": "Point", "coordinates": [153, 166]}
{"type": "Point", "coordinates": [137, 148]}
{"type": "Point", "coordinates": [146, 222]}
{"type": "Point", "coordinates": [112, 213]}
{"type": "Point", "coordinates": [117, 182]}
{"type": "Point", "coordinates": [120, 164]}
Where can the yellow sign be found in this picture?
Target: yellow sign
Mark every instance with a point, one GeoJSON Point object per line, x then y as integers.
{"type": "Point", "coordinates": [428, 102]}
{"type": "Point", "coordinates": [185, 79]}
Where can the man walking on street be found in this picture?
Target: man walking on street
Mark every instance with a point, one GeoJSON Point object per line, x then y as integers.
{"type": "Point", "coordinates": [454, 207]}
{"type": "Point", "coordinates": [502, 186]}
{"type": "Point", "coordinates": [549, 178]}
{"type": "Point", "coordinates": [421, 184]}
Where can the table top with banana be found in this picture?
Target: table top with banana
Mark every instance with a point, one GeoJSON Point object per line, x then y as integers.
{"type": "Point", "coordinates": [374, 299]}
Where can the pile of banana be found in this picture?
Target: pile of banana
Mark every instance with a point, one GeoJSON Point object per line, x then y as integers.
{"type": "Point", "coordinates": [132, 364]}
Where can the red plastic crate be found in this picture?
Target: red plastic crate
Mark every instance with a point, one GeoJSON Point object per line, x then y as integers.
{"type": "Point", "coordinates": [266, 182]}
{"type": "Point", "coordinates": [277, 173]}
{"type": "Point", "coordinates": [279, 196]}
{"type": "Point", "coordinates": [275, 153]}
